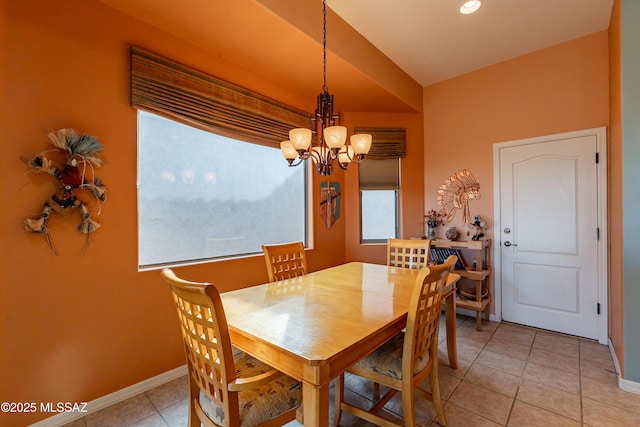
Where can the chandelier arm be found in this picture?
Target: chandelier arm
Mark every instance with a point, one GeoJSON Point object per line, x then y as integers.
{"type": "Point", "coordinates": [315, 156]}
{"type": "Point", "coordinates": [293, 163]}
{"type": "Point", "coordinates": [347, 145]}
{"type": "Point", "coordinates": [304, 154]}
{"type": "Point", "coordinates": [356, 158]}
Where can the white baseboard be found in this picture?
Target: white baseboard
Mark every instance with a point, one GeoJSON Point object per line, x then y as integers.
{"type": "Point", "coordinates": [112, 398]}
{"type": "Point", "coordinates": [626, 385]}
{"type": "Point", "coordinates": [630, 386]}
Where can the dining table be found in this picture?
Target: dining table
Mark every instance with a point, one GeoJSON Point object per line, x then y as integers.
{"type": "Point", "coordinates": [315, 326]}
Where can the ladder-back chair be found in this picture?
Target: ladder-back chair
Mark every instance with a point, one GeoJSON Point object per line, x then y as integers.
{"type": "Point", "coordinates": [407, 359]}
{"type": "Point", "coordinates": [226, 389]}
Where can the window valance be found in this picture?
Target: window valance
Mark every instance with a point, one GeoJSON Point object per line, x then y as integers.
{"type": "Point", "coordinates": [181, 93]}
{"type": "Point", "coordinates": [387, 143]}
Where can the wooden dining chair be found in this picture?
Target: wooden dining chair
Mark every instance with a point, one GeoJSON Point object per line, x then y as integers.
{"type": "Point", "coordinates": [407, 359]}
{"type": "Point", "coordinates": [408, 253]}
{"type": "Point", "coordinates": [226, 389]}
{"type": "Point", "coordinates": [285, 261]}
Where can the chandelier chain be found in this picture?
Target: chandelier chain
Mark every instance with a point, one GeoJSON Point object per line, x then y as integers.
{"type": "Point", "coordinates": [324, 46]}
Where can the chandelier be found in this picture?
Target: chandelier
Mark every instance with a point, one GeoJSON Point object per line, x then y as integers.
{"type": "Point", "coordinates": [332, 144]}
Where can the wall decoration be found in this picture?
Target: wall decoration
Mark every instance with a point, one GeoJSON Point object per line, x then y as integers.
{"type": "Point", "coordinates": [330, 202]}
{"type": "Point", "coordinates": [456, 192]}
{"type": "Point", "coordinates": [72, 161]}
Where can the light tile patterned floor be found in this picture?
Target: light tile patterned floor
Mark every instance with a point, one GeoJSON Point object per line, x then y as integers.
{"type": "Point", "coordinates": [508, 375]}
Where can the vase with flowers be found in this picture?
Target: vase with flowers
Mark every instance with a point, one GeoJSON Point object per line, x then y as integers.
{"type": "Point", "coordinates": [433, 219]}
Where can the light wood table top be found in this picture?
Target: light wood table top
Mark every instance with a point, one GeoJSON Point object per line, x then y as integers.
{"type": "Point", "coordinates": [315, 326]}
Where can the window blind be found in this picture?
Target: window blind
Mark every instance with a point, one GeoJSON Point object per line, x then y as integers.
{"type": "Point", "coordinates": [186, 95]}
{"type": "Point", "coordinates": [387, 143]}
{"type": "Point", "coordinates": [379, 174]}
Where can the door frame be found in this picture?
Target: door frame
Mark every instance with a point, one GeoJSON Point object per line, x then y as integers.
{"type": "Point", "coordinates": [602, 245]}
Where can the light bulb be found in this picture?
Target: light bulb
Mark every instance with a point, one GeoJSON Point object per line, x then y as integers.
{"type": "Point", "coordinates": [470, 6]}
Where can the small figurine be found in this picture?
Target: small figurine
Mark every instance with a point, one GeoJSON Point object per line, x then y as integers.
{"type": "Point", "coordinates": [478, 225]}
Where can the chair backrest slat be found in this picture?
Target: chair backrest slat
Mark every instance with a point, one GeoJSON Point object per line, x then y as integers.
{"type": "Point", "coordinates": [285, 261]}
{"type": "Point", "coordinates": [424, 314]}
{"type": "Point", "coordinates": [408, 253]}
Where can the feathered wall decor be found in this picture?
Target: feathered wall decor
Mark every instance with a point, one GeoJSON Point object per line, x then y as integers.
{"type": "Point", "coordinates": [72, 161]}
{"type": "Point", "coordinates": [456, 192]}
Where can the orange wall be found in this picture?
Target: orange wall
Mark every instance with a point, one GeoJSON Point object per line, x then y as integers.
{"type": "Point", "coordinates": [411, 194]}
{"type": "Point", "coordinates": [558, 89]}
{"type": "Point", "coordinates": [86, 323]}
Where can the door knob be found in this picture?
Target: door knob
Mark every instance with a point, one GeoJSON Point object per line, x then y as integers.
{"type": "Point", "coordinates": [508, 243]}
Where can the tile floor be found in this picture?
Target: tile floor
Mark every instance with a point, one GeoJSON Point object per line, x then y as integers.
{"type": "Point", "coordinates": [508, 375]}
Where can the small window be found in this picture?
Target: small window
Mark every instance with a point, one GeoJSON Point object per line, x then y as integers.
{"type": "Point", "coordinates": [202, 196]}
{"type": "Point", "coordinates": [379, 196]}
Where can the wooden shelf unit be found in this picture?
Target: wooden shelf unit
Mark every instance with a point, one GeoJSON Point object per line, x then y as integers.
{"type": "Point", "coordinates": [478, 250]}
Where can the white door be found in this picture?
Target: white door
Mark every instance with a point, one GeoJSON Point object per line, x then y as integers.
{"type": "Point", "coordinates": [548, 234]}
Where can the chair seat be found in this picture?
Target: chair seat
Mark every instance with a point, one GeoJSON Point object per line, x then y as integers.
{"type": "Point", "coordinates": [387, 359]}
{"type": "Point", "coordinates": [261, 404]}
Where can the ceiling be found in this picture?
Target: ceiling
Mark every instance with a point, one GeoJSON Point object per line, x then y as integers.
{"type": "Point", "coordinates": [428, 40]}
{"type": "Point", "coordinates": [432, 41]}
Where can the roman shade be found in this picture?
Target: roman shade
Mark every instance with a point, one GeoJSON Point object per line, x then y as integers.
{"type": "Point", "coordinates": [178, 92]}
{"type": "Point", "coordinates": [379, 174]}
{"type": "Point", "coordinates": [387, 143]}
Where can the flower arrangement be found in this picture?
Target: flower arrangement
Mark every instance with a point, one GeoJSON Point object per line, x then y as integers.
{"type": "Point", "coordinates": [433, 218]}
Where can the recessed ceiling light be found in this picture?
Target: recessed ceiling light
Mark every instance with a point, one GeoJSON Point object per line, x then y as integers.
{"type": "Point", "coordinates": [470, 6]}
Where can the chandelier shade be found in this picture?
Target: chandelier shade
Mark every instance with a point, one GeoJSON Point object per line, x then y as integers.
{"type": "Point", "coordinates": [361, 143]}
{"type": "Point", "coordinates": [335, 136]}
{"type": "Point", "coordinates": [345, 155]}
{"type": "Point", "coordinates": [332, 143]}
{"type": "Point", "coordinates": [300, 138]}
{"type": "Point", "coordinates": [288, 150]}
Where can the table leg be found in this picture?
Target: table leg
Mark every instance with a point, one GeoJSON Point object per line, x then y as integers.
{"type": "Point", "coordinates": [315, 402]}
{"type": "Point", "coordinates": [450, 313]}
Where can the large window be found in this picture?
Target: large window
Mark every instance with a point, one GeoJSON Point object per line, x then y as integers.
{"type": "Point", "coordinates": [202, 196]}
{"type": "Point", "coordinates": [379, 195]}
